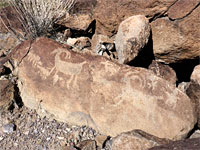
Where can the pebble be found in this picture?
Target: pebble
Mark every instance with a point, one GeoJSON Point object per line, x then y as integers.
{"type": "Point", "coordinates": [35, 133]}
{"type": "Point", "coordinates": [9, 128]}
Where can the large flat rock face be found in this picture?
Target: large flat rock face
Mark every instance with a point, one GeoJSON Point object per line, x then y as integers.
{"type": "Point", "coordinates": [91, 90]}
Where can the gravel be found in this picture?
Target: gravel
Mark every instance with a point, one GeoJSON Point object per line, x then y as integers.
{"type": "Point", "coordinates": [23, 129]}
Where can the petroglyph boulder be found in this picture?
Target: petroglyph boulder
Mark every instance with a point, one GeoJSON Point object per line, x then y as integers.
{"type": "Point", "coordinates": [91, 90]}
{"type": "Point", "coordinates": [133, 34]}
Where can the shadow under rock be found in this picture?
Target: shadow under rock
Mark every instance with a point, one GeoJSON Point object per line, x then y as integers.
{"type": "Point", "coordinates": [184, 69]}
{"type": "Point", "coordinates": [145, 56]}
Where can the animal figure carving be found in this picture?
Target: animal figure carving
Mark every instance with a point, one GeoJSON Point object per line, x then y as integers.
{"type": "Point", "coordinates": [66, 67]}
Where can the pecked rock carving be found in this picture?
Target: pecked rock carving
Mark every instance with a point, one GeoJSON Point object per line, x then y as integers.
{"type": "Point", "coordinates": [90, 90]}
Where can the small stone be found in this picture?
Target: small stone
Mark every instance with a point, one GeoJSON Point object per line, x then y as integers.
{"type": "Point", "coordinates": [196, 134]}
{"type": "Point", "coordinates": [60, 138]}
{"type": "Point", "coordinates": [79, 43]}
{"type": "Point", "coordinates": [26, 133]}
{"type": "Point", "coordinates": [1, 138]}
{"type": "Point", "coordinates": [87, 145]}
{"type": "Point", "coordinates": [68, 148]}
{"type": "Point", "coordinates": [48, 138]}
{"type": "Point", "coordinates": [9, 128]}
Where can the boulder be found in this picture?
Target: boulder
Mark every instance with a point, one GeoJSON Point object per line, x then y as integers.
{"type": "Point", "coordinates": [163, 71]}
{"type": "Point", "coordinates": [6, 92]}
{"type": "Point", "coordinates": [195, 77]}
{"type": "Point", "coordinates": [182, 8]}
{"type": "Point", "coordinates": [133, 34]}
{"type": "Point", "coordinates": [80, 15]}
{"type": "Point", "coordinates": [136, 140]}
{"type": "Point", "coordinates": [189, 144]}
{"type": "Point", "coordinates": [193, 90]}
{"type": "Point", "coordinates": [91, 90]}
{"type": "Point", "coordinates": [174, 41]}
{"type": "Point", "coordinates": [109, 14]}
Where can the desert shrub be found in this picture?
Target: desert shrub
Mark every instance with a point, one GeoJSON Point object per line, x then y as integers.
{"type": "Point", "coordinates": [3, 4]}
{"type": "Point", "coordinates": [38, 16]}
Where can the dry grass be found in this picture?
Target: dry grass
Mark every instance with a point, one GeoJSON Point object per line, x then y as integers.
{"type": "Point", "coordinates": [39, 16]}
{"type": "Point", "coordinates": [3, 4]}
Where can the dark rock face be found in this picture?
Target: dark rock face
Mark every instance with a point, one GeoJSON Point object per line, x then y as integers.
{"type": "Point", "coordinates": [182, 8]}
{"type": "Point", "coordinates": [189, 144]}
{"type": "Point", "coordinates": [11, 19]}
{"type": "Point", "coordinates": [6, 92]}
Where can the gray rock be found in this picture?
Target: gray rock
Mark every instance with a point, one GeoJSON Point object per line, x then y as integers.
{"type": "Point", "coordinates": [9, 128]}
{"type": "Point", "coordinates": [133, 34]}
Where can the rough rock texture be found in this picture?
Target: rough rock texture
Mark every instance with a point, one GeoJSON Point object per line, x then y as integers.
{"type": "Point", "coordinates": [79, 43]}
{"type": "Point", "coordinates": [103, 45]}
{"type": "Point", "coordinates": [91, 90]}
{"type": "Point", "coordinates": [196, 74]}
{"type": "Point", "coordinates": [196, 134]}
{"type": "Point", "coordinates": [7, 43]}
{"type": "Point", "coordinates": [189, 144]}
{"type": "Point", "coordinates": [193, 90]}
{"type": "Point", "coordinates": [80, 16]}
{"type": "Point", "coordinates": [163, 71]}
{"type": "Point", "coordinates": [136, 140]}
{"type": "Point", "coordinates": [182, 8]}
{"type": "Point", "coordinates": [133, 34]}
{"type": "Point", "coordinates": [87, 145]}
{"type": "Point", "coordinates": [176, 40]}
{"type": "Point", "coordinates": [6, 92]}
{"type": "Point", "coordinates": [109, 14]}
{"type": "Point", "coordinates": [10, 20]}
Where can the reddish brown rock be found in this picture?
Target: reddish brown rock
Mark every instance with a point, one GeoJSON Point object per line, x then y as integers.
{"type": "Point", "coordinates": [6, 92]}
{"type": "Point", "coordinates": [193, 90]}
{"type": "Point", "coordinates": [163, 71]}
{"type": "Point", "coordinates": [9, 18]}
{"type": "Point", "coordinates": [80, 15]}
{"type": "Point", "coordinates": [136, 140]}
{"type": "Point", "coordinates": [109, 14]}
{"type": "Point", "coordinates": [87, 145]}
{"type": "Point", "coordinates": [182, 8]}
{"type": "Point", "coordinates": [189, 144]}
{"type": "Point", "coordinates": [177, 40]}
{"type": "Point", "coordinates": [91, 90]}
